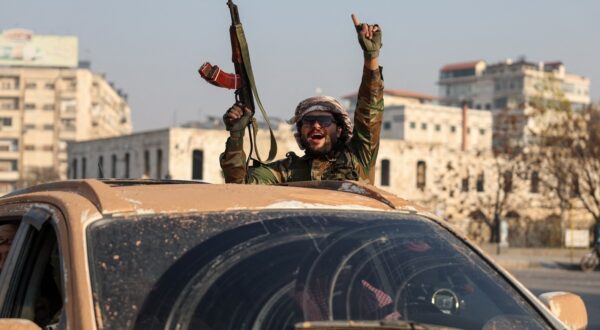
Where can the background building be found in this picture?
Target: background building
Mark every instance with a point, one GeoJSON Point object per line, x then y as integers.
{"type": "Point", "coordinates": [47, 99]}
{"type": "Point", "coordinates": [507, 84]}
{"type": "Point", "coordinates": [416, 117]}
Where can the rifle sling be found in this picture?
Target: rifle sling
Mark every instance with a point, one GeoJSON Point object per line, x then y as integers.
{"type": "Point", "coordinates": [239, 31]}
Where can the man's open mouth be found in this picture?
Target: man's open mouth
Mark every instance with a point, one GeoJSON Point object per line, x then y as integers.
{"type": "Point", "coordinates": [316, 136]}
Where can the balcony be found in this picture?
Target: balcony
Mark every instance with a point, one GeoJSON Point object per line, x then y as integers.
{"type": "Point", "coordinates": [9, 175]}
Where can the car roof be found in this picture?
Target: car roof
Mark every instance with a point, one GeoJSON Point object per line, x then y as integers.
{"type": "Point", "coordinates": [169, 196]}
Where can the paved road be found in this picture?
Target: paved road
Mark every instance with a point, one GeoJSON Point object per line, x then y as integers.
{"type": "Point", "coordinates": [586, 285]}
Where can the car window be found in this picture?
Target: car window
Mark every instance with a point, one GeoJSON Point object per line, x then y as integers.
{"type": "Point", "coordinates": [8, 231]}
{"type": "Point", "coordinates": [271, 270]}
{"type": "Point", "coordinates": [32, 283]}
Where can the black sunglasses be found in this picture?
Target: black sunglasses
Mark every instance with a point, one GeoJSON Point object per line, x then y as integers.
{"type": "Point", "coordinates": [324, 121]}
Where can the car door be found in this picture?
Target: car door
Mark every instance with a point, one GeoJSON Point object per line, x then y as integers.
{"type": "Point", "coordinates": [32, 279]}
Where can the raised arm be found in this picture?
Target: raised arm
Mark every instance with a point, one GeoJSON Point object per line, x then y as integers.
{"type": "Point", "coordinates": [369, 107]}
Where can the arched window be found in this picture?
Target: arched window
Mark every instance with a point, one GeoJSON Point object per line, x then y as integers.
{"type": "Point", "coordinates": [385, 172]}
{"type": "Point", "coordinates": [100, 167]}
{"type": "Point", "coordinates": [575, 185]}
{"type": "Point", "coordinates": [535, 182]}
{"type": "Point", "coordinates": [508, 176]}
{"type": "Point", "coordinates": [126, 176]}
{"type": "Point", "coordinates": [83, 167]}
{"type": "Point", "coordinates": [159, 161]}
{"type": "Point", "coordinates": [113, 164]}
{"type": "Point", "coordinates": [480, 182]}
{"type": "Point", "coordinates": [197, 164]}
{"type": "Point", "coordinates": [421, 174]}
{"type": "Point", "coordinates": [74, 168]}
{"type": "Point", "coordinates": [147, 163]}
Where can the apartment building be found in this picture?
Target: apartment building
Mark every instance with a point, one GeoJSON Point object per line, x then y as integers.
{"type": "Point", "coordinates": [47, 99]}
{"type": "Point", "coordinates": [508, 84]}
{"type": "Point", "coordinates": [417, 118]}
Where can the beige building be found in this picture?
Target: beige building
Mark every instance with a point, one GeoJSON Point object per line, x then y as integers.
{"type": "Point", "coordinates": [460, 186]}
{"type": "Point", "coordinates": [171, 153]}
{"type": "Point", "coordinates": [417, 118]}
{"type": "Point", "coordinates": [508, 83]}
{"type": "Point", "coordinates": [46, 101]}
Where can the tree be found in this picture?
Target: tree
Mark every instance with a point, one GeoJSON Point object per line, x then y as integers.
{"type": "Point", "coordinates": [37, 175]}
{"type": "Point", "coordinates": [566, 148]}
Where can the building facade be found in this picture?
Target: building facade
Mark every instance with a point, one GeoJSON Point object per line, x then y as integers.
{"type": "Point", "coordinates": [508, 83]}
{"type": "Point", "coordinates": [172, 153]}
{"type": "Point", "coordinates": [46, 104]}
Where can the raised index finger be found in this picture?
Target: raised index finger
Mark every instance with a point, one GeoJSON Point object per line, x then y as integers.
{"type": "Point", "coordinates": [355, 20]}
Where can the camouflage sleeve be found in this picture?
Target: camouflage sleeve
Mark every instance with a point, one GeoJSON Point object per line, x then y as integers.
{"type": "Point", "coordinates": [233, 164]}
{"type": "Point", "coordinates": [233, 160]}
{"type": "Point", "coordinates": [367, 122]}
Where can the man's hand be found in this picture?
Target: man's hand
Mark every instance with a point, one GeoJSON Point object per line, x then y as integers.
{"type": "Point", "coordinates": [237, 118]}
{"type": "Point", "coordinates": [369, 38]}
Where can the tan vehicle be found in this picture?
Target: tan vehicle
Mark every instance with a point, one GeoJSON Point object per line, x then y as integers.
{"type": "Point", "coordinates": [315, 255]}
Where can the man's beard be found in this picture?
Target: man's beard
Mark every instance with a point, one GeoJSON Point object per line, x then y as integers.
{"type": "Point", "coordinates": [331, 143]}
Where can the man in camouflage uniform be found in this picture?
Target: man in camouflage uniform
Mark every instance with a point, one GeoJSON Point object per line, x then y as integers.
{"type": "Point", "coordinates": [335, 149]}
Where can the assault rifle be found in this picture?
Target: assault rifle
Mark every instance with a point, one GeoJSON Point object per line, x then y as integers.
{"type": "Point", "coordinates": [243, 79]}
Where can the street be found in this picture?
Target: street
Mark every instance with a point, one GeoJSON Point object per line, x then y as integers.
{"type": "Point", "coordinates": [586, 285]}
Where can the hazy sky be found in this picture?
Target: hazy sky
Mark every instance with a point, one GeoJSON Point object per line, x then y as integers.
{"type": "Point", "coordinates": [152, 49]}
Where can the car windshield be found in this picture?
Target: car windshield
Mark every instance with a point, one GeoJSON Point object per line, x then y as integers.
{"type": "Point", "coordinates": [275, 269]}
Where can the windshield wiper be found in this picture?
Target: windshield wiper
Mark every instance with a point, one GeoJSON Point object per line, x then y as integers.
{"type": "Point", "coordinates": [357, 325]}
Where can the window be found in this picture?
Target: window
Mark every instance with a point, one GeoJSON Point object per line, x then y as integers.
{"type": "Point", "coordinates": [29, 106]}
{"type": "Point", "coordinates": [126, 176]}
{"type": "Point", "coordinates": [8, 165]}
{"type": "Point", "coordinates": [387, 125]}
{"type": "Point", "coordinates": [421, 174]}
{"type": "Point", "coordinates": [29, 147]}
{"type": "Point", "coordinates": [481, 131]}
{"type": "Point", "coordinates": [488, 106]}
{"type": "Point", "coordinates": [413, 125]}
{"type": "Point", "coordinates": [113, 163]}
{"type": "Point", "coordinates": [424, 126]}
{"type": "Point", "coordinates": [35, 276]}
{"type": "Point", "coordinates": [465, 184]}
{"type": "Point", "coordinates": [575, 185]}
{"type": "Point", "coordinates": [83, 167]}
{"type": "Point", "coordinates": [480, 182]}
{"type": "Point", "coordinates": [159, 161]}
{"type": "Point", "coordinates": [30, 85]}
{"type": "Point", "coordinates": [508, 176]}
{"type": "Point", "coordinates": [49, 85]}
{"type": "Point", "coordinates": [48, 127]}
{"type": "Point", "coordinates": [100, 167]}
{"type": "Point", "coordinates": [398, 118]}
{"type": "Point", "coordinates": [438, 127]}
{"type": "Point", "coordinates": [197, 164]}
{"type": "Point", "coordinates": [385, 172]}
{"type": "Point", "coordinates": [48, 107]}
{"type": "Point", "coordinates": [535, 182]}
{"type": "Point", "coordinates": [74, 168]}
{"type": "Point", "coordinates": [147, 163]}
{"type": "Point", "coordinates": [6, 121]}
{"type": "Point", "coordinates": [48, 148]}
{"type": "Point", "coordinates": [452, 129]}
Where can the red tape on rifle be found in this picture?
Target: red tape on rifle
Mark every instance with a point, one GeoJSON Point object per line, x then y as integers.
{"type": "Point", "coordinates": [214, 75]}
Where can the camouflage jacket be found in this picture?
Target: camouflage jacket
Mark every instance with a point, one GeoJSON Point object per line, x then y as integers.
{"type": "Point", "coordinates": [356, 161]}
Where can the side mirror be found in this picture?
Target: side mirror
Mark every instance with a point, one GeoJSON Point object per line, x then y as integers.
{"type": "Point", "coordinates": [567, 307]}
{"type": "Point", "coordinates": [18, 324]}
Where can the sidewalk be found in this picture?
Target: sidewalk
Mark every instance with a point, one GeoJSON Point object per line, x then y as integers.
{"type": "Point", "coordinates": [512, 258]}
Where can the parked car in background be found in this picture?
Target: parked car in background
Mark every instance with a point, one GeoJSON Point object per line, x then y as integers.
{"type": "Point", "coordinates": [115, 254]}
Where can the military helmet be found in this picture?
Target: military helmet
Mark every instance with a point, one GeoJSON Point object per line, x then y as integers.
{"type": "Point", "coordinates": [324, 103]}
